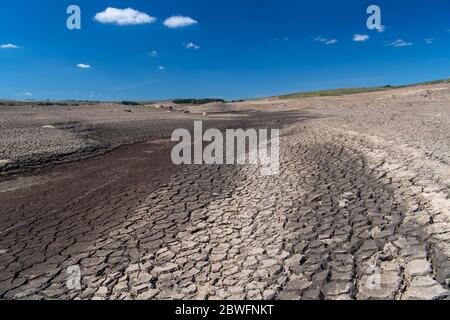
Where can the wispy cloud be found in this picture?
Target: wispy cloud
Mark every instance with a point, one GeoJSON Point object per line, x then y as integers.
{"type": "Point", "coordinates": [191, 45]}
{"type": "Point", "coordinates": [24, 94]}
{"type": "Point", "coordinates": [123, 17]}
{"type": "Point", "coordinates": [179, 22]}
{"type": "Point", "coordinates": [398, 43]}
{"type": "Point", "coordinates": [83, 66]}
{"type": "Point", "coordinates": [9, 46]}
{"type": "Point", "coordinates": [326, 40]}
{"type": "Point", "coordinates": [153, 53]}
{"type": "Point", "coordinates": [429, 40]}
{"type": "Point", "coordinates": [360, 37]}
{"type": "Point", "coordinates": [162, 68]}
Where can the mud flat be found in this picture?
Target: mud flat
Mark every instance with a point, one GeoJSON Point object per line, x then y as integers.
{"type": "Point", "coordinates": [359, 210]}
{"type": "Point", "coordinates": [35, 137]}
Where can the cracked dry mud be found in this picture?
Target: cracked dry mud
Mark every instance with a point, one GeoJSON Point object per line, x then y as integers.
{"type": "Point", "coordinates": [359, 210]}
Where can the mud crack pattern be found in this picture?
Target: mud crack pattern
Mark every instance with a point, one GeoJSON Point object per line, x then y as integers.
{"type": "Point", "coordinates": [332, 225]}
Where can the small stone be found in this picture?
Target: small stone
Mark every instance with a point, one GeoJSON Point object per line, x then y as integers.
{"type": "Point", "coordinates": [4, 162]}
{"type": "Point", "coordinates": [343, 203]}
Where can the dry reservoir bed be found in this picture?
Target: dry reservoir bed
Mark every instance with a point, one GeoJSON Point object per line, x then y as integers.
{"type": "Point", "coordinates": [359, 210]}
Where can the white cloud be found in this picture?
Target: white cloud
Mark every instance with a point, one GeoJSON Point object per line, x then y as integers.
{"type": "Point", "coordinates": [429, 40]}
{"type": "Point", "coordinates": [191, 45]}
{"type": "Point", "coordinates": [398, 43]}
{"type": "Point", "coordinates": [123, 17]}
{"type": "Point", "coordinates": [161, 68]}
{"type": "Point", "coordinates": [360, 37]}
{"type": "Point", "coordinates": [153, 53]}
{"type": "Point", "coordinates": [326, 41]}
{"type": "Point", "coordinates": [179, 22]}
{"type": "Point", "coordinates": [83, 66]}
{"type": "Point", "coordinates": [9, 46]}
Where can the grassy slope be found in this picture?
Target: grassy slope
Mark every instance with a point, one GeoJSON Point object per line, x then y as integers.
{"type": "Point", "coordinates": [340, 92]}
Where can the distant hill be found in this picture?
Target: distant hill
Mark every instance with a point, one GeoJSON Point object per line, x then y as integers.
{"type": "Point", "coordinates": [346, 91]}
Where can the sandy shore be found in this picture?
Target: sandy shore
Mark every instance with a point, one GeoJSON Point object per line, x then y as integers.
{"type": "Point", "coordinates": [360, 209]}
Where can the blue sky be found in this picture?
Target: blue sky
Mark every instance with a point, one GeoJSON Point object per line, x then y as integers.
{"type": "Point", "coordinates": [235, 48]}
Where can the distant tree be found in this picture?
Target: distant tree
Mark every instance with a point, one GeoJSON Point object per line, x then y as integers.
{"type": "Point", "coordinates": [130, 103]}
{"type": "Point", "coordinates": [196, 101]}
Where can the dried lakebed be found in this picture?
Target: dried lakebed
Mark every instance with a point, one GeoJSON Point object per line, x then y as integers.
{"type": "Point", "coordinates": [359, 210]}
